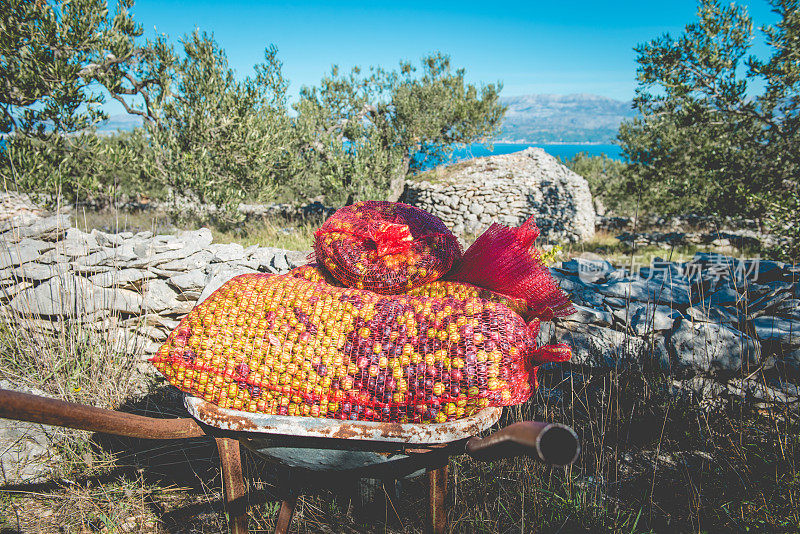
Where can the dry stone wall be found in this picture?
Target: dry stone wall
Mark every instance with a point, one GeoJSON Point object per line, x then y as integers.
{"type": "Point", "coordinates": [712, 323]}
{"type": "Point", "coordinates": [135, 288]}
{"type": "Point", "coordinates": [508, 189]}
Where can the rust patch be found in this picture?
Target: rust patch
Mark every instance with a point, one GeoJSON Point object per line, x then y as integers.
{"type": "Point", "coordinates": [213, 415]}
{"type": "Point", "coordinates": [360, 431]}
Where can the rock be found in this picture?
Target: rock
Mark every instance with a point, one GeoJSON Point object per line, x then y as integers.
{"type": "Point", "coordinates": [675, 295]}
{"type": "Point", "coordinates": [18, 253]}
{"type": "Point", "coordinates": [710, 348]}
{"type": "Point", "coordinates": [191, 281]}
{"type": "Point", "coordinates": [643, 319]}
{"type": "Point", "coordinates": [197, 239]}
{"type": "Point", "coordinates": [28, 449]}
{"type": "Point", "coordinates": [697, 314]}
{"type": "Point", "coordinates": [600, 347]}
{"type": "Point", "coordinates": [131, 342]}
{"type": "Point", "coordinates": [14, 205]}
{"type": "Point", "coordinates": [547, 332]}
{"type": "Point", "coordinates": [107, 240]}
{"type": "Point", "coordinates": [121, 300]}
{"type": "Point", "coordinates": [755, 390]}
{"type": "Point", "coordinates": [769, 302]}
{"type": "Point", "coordinates": [721, 314]}
{"type": "Point", "coordinates": [519, 185]}
{"type": "Point", "coordinates": [476, 208]}
{"type": "Point", "coordinates": [152, 332]}
{"type": "Point", "coordinates": [192, 242]}
{"type": "Point", "coordinates": [219, 276]}
{"type": "Point", "coordinates": [10, 291]}
{"type": "Point", "coordinates": [768, 271]}
{"type": "Point", "coordinates": [124, 278]}
{"type": "Point", "coordinates": [108, 256]}
{"type": "Point", "coordinates": [48, 229]}
{"type": "Point", "coordinates": [791, 360]}
{"type": "Point", "coordinates": [777, 330]}
{"type": "Point", "coordinates": [261, 258]}
{"type": "Point", "coordinates": [657, 345]}
{"type": "Point", "coordinates": [589, 298]}
{"type": "Point", "coordinates": [789, 308]}
{"type": "Point", "coordinates": [197, 261]}
{"type": "Point", "coordinates": [38, 271]}
{"type": "Point", "coordinates": [568, 282]}
{"type": "Point", "coordinates": [705, 392]}
{"type": "Point", "coordinates": [18, 221]}
{"type": "Point", "coordinates": [296, 258]}
{"type": "Point", "coordinates": [591, 316]}
{"type": "Point", "coordinates": [158, 321]}
{"type": "Point", "coordinates": [158, 297]}
{"type": "Point", "coordinates": [725, 296]}
{"type": "Point", "coordinates": [73, 296]}
{"type": "Point", "coordinates": [587, 270]}
{"type": "Point", "coordinates": [51, 256]}
{"type": "Point", "coordinates": [280, 264]}
{"type": "Point", "coordinates": [77, 243]}
{"type": "Point", "coordinates": [227, 253]}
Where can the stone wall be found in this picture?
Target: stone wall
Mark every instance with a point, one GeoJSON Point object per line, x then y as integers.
{"type": "Point", "coordinates": [709, 323]}
{"type": "Point", "coordinates": [507, 189]}
{"type": "Point", "coordinates": [133, 287]}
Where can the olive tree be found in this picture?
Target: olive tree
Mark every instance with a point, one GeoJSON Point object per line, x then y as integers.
{"type": "Point", "coordinates": [217, 140]}
{"type": "Point", "coordinates": [53, 58]}
{"type": "Point", "coordinates": [361, 133]}
{"type": "Point", "coordinates": [707, 139]}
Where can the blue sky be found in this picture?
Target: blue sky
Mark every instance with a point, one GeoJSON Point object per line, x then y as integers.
{"type": "Point", "coordinates": [581, 46]}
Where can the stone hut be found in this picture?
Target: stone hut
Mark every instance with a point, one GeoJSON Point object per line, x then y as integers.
{"type": "Point", "coordinates": [470, 195]}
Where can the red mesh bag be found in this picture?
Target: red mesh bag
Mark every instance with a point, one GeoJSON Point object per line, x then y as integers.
{"type": "Point", "coordinates": [385, 247]}
{"type": "Point", "coordinates": [289, 345]}
{"type": "Point", "coordinates": [505, 261]}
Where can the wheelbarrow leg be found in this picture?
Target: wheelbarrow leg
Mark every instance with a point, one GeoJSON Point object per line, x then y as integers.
{"type": "Point", "coordinates": [437, 490]}
{"type": "Point", "coordinates": [285, 514]}
{"type": "Point", "coordinates": [233, 485]}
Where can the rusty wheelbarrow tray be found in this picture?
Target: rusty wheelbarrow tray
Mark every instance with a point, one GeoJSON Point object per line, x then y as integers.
{"type": "Point", "coordinates": [377, 450]}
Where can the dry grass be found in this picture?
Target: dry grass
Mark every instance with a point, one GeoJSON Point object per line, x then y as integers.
{"type": "Point", "coordinates": [606, 244]}
{"type": "Point", "coordinates": [290, 235]}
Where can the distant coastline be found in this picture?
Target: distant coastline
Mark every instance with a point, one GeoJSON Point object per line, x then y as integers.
{"type": "Point", "coordinates": [550, 143]}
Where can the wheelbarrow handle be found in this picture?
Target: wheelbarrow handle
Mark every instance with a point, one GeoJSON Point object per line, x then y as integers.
{"type": "Point", "coordinates": [35, 409]}
{"type": "Point", "coordinates": [552, 443]}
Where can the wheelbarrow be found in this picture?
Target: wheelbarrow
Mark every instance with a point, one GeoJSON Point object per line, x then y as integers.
{"type": "Point", "coordinates": [315, 445]}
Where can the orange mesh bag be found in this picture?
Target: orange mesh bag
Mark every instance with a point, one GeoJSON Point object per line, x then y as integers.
{"type": "Point", "coordinates": [435, 289]}
{"type": "Point", "coordinates": [385, 247]}
{"type": "Point", "coordinates": [289, 345]}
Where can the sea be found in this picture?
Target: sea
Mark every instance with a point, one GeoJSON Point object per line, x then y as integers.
{"type": "Point", "coordinates": [562, 151]}
{"type": "Point", "coordinates": [478, 150]}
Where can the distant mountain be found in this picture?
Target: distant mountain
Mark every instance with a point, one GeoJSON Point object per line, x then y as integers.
{"type": "Point", "coordinates": [576, 118]}
{"type": "Point", "coordinates": [115, 123]}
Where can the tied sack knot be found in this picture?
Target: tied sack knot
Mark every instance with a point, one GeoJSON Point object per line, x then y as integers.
{"type": "Point", "coordinates": [390, 238]}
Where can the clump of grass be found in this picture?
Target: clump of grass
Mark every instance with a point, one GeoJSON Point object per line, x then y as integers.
{"type": "Point", "coordinates": [72, 361]}
{"type": "Point", "coordinates": [288, 235]}
{"type": "Point", "coordinates": [620, 254]}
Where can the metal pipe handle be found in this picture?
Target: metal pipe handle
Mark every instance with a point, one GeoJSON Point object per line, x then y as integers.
{"type": "Point", "coordinates": [552, 443]}
{"type": "Point", "coordinates": [46, 411]}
